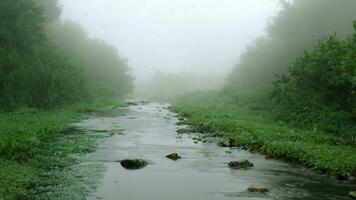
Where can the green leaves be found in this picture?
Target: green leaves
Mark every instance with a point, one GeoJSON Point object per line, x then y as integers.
{"type": "Point", "coordinates": [296, 28]}
{"type": "Point", "coordinates": [35, 73]}
{"type": "Point", "coordinates": [319, 87]}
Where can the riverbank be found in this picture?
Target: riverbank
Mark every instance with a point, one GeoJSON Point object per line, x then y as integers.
{"type": "Point", "coordinates": [202, 173]}
{"type": "Point", "coordinates": [38, 153]}
{"type": "Point", "coordinates": [244, 128]}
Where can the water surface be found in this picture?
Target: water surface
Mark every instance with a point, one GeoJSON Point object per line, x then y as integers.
{"type": "Point", "coordinates": [201, 174]}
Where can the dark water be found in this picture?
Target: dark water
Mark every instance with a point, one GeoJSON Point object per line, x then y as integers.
{"type": "Point", "coordinates": [202, 173]}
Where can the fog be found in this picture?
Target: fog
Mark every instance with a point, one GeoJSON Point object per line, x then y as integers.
{"type": "Point", "coordinates": [171, 36]}
{"type": "Point", "coordinates": [202, 92]}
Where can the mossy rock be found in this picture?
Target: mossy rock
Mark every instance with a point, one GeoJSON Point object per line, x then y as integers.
{"type": "Point", "coordinates": [258, 190]}
{"type": "Point", "coordinates": [180, 123]}
{"type": "Point", "coordinates": [181, 118]}
{"type": "Point", "coordinates": [343, 176]}
{"type": "Point", "coordinates": [185, 130]}
{"type": "Point", "coordinates": [131, 103]}
{"type": "Point", "coordinates": [133, 163]}
{"type": "Point", "coordinates": [352, 194]}
{"type": "Point", "coordinates": [174, 156]}
{"type": "Point", "coordinates": [228, 143]}
{"type": "Point", "coordinates": [240, 164]}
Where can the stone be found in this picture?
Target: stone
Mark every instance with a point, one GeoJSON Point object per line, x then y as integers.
{"type": "Point", "coordinates": [180, 123]}
{"type": "Point", "coordinates": [240, 164]}
{"type": "Point", "coordinates": [133, 163]}
{"type": "Point", "coordinates": [228, 143]}
{"type": "Point", "coordinates": [260, 190]}
{"type": "Point", "coordinates": [352, 194]}
{"type": "Point", "coordinates": [174, 156]}
{"type": "Point", "coordinates": [181, 118]}
{"type": "Point", "coordinates": [131, 103]}
{"type": "Point", "coordinates": [343, 176]}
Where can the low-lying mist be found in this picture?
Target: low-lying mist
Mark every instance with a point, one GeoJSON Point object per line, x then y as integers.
{"type": "Point", "coordinates": [162, 86]}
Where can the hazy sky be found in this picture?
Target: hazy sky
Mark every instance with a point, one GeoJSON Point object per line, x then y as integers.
{"type": "Point", "coordinates": [174, 35]}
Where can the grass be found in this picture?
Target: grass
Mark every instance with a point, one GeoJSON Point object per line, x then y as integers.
{"type": "Point", "coordinates": [37, 151]}
{"type": "Point", "coordinates": [254, 130]}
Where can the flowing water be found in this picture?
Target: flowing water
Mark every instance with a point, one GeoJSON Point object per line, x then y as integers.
{"type": "Point", "coordinates": [201, 174]}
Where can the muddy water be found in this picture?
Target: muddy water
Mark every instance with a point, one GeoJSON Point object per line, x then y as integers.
{"type": "Point", "coordinates": [202, 173]}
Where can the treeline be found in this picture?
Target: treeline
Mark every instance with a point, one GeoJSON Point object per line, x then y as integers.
{"type": "Point", "coordinates": [297, 27]}
{"type": "Point", "coordinates": [47, 63]}
{"type": "Point", "coordinates": [320, 87]}
{"type": "Point", "coordinates": [317, 89]}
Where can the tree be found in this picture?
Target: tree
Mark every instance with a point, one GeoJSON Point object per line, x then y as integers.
{"type": "Point", "coordinates": [296, 28]}
{"type": "Point", "coordinates": [320, 87]}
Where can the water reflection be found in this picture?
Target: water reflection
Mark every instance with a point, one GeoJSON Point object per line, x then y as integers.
{"type": "Point", "coordinates": [201, 174]}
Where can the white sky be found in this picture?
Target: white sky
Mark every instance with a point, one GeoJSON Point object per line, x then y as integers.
{"type": "Point", "coordinates": [174, 35]}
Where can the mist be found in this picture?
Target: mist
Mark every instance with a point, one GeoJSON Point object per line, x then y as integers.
{"type": "Point", "coordinates": [177, 99]}
{"type": "Point", "coordinates": [200, 36]}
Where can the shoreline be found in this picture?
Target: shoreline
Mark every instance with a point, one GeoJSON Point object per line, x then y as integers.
{"type": "Point", "coordinates": [41, 151]}
{"type": "Point", "coordinates": [273, 141]}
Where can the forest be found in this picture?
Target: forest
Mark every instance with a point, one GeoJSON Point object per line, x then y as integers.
{"type": "Point", "coordinates": [51, 75]}
{"type": "Point", "coordinates": [48, 63]}
{"type": "Point", "coordinates": [309, 70]}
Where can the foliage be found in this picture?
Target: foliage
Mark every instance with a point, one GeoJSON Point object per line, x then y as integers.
{"type": "Point", "coordinates": [36, 153]}
{"type": "Point", "coordinates": [320, 87]}
{"type": "Point", "coordinates": [219, 115]}
{"type": "Point", "coordinates": [36, 144]}
{"type": "Point", "coordinates": [318, 91]}
{"type": "Point", "coordinates": [34, 73]}
{"type": "Point", "coordinates": [107, 71]}
{"type": "Point", "coordinates": [297, 27]}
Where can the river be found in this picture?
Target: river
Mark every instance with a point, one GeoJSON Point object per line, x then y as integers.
{"type": "Point", "coordinates": [202, 173]}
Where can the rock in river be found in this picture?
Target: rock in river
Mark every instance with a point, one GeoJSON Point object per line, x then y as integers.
{"type": "Point", "coordinates": [228, 143]}
{"type": "Point", "coordinates": [133, 163]}
{"type": "Point", "coordinates": [173, 156]}
{"type": "Point", "coordinates": [240, 164]}
{"type": "Point", "coordinates": [352, 194]}
{"type": "Point", "coordinates": [131, 103]}
{"type": "Point", "coordinates": [260, 190]}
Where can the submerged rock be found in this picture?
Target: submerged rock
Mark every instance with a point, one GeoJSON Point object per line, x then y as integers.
{"type": "Point", "coordinates": [173, 156]}
{"type": "Point", "coordinates": [180, 123]}
{"type": "Point", "coordinates": [343, 176]}
{"type": "Point", "coordinates": [131, 103]}
{"type": "Point", "coordinates": [352, 194]}
{"type": "Point", "coordinates": [133, 163]}
{"type": "Point", "coordinates": [144, 102]}
{"type": "Point", "coordinates": [228, 143]}
{"type": "Point", "coordinates": [240, 164]}
{"type": "Point", "coordinates": [260, 190]}
{"type": "Point", "coordinates": [185, 130]}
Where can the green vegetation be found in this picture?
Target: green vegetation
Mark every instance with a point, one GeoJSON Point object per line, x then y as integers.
{"type": "Point", "coordinates": [37, 151]}
{"type": "Point", "coordinates": [292, 95]}
{"type": "Point", "coordinates": [51, 75]}
{"type": "Point", "coordinates": [42, 70]}
{"type": "Point", "coordinates": [298, 26]}
{"type": "Point", "coordinates": [220, 115]}
{"type": "Point", "coordinates": [319, 90]}
{"type": "Point", "coordinates": [301, 74]}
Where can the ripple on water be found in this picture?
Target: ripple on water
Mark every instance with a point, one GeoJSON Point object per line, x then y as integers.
{"type": "Point", "coordinates": [202, 173]}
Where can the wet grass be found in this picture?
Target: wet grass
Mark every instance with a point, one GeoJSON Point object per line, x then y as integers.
{"type": "Point", "coordinates": [219, 116]}
{"type": "Point", "coordinates": [40, 153]}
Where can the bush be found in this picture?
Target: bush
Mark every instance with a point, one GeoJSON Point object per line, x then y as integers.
{"type": "Point", "coordinates": [319, 89]}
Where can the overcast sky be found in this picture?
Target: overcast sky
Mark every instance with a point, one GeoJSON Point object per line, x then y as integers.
{"type": "Point", "coordinates": [174, 35]}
